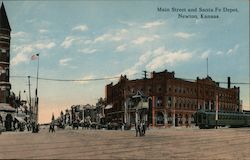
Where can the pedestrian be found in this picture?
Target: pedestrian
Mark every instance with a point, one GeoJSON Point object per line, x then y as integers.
{"type": "Point", "coordinates": [141, 129]}
{"type": "Point", "coordinates": [122, 128]}
{"type": "Point", "coordinates": [52, 127]}
{"type": "Point", "coordinates": [144, 128]}
{"type": "Point", "coordinates": [37, 128]}
{"type": "Point", "coordinates": [137, 129]}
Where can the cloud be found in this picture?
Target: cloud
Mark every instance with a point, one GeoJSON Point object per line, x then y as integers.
{"type": "Point", "coordinates": [18, 34]}
{"type": "Point", "coordinates": [68, 41]}
{"type": "Point", "coordinates": [87, 50]}
{"type": "Point", "coordinates": [143, 39]}
{"type": "Point", "coordinates": [43, 31]}
{"type": "Point", "coordinates": [157, 59]}
{"type": "Point", "coordinates": [121, 48]}
{"type": "Point", "coordinates": [25, 51]}
{"type": "Point", "coordinates": [31, 20]}
{"type": "Point", "coordinates": [88, 41]}
{"type": "Point", "coordinates": [103, 37]}
{"type": "Point", "coordinates": [183, 35]}
{"type": "Point", "coordinates": [126, 23]}
{"type": "Point", "coordinates": [80, 28]}
{"type": "Point", "coordinates": [161, 57]}
{"type": "Point", "coordinates": [219, 52]}
{"type": "Point", "coordinates": [153, 24]}
{"type": "Point", "coordinates": [117, 35]}
{"type": "Point", "coordinates": [19, 58]}
{"type": "Point", "coordinates": [233, 50]}
{"type": "Point", "coordinates": [65, 61]}
{"type": "Point", "coordinates": [45, 45]}
{"type": "Point", "coordinates": [86, 79]}
{"type": "Point", "coordinates": [205, 54]}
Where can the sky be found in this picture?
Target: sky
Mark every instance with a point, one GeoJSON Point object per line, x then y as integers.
{"type": "Point", "coordinates": [102, 39]}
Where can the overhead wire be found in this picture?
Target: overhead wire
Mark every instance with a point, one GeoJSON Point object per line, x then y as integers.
{"type": "Point", "coordinates": [67, 80]}
{"type": "Point", "coordinates": [104, 78]}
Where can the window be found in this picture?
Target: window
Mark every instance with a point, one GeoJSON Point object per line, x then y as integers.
{"type": "Point", "coordinates": [159, 102]}
{"type": "Point", "coordinates": [3, 50]}
{"type": "Point", "coordinates": [149, 89]}
{"type": "Point", "coordinates": [159, 89]}
{"type": "Point", "coordinates": [169, 89]}
{"type": "Point", "coordinates": [7, 72]}
{"type": "Point", "coordinates": [169, 101]}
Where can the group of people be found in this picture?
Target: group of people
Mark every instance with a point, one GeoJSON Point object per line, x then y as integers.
{"type": "Point", "coordinates": [140, 128]}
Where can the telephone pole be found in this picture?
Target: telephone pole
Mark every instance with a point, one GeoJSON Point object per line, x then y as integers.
{"type": "Point", "coordinates": [29, 91]}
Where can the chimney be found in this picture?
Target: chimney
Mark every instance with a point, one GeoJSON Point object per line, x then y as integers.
{"type": "Point", "coordinates": [228, 82]}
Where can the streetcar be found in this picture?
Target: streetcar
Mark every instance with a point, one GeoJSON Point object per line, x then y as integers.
{"type": "Point", "coordinates": [206, 119]}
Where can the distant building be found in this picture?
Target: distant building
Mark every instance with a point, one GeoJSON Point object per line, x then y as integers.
{"type": "Point", "coordinates": [80, 113]}
{"type": "Point", "coordinates": [172, 101]}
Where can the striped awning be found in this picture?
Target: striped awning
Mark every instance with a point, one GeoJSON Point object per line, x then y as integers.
{"type": "Point", "coordinates": [19, 119]}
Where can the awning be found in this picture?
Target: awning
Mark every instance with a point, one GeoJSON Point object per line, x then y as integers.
{"type": "Point", "coordinates": [6, 107]}
{"type": "Point", "coordinates": [19, 119]}
{"type": "Point", "coordinates": [109, 106]}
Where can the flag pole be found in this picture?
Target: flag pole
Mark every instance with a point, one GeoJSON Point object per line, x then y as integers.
{"type": "Point", "coordinates": [37, 73]}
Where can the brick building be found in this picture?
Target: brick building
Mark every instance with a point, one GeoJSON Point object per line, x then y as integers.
{"type": "Point", "coordinates": [172, 101]}
{"type": "Point", "coordinates": [6, 99]}
{"type": "Point", "coordinates": [4, 56]}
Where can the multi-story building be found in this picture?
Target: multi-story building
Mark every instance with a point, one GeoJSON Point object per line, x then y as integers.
{"type": "Point", "coordinates": [172, 101]}
{"type": "Point", "coordinates": [4, 56]}
{"type": "Point", "coordinates": [6, 111]}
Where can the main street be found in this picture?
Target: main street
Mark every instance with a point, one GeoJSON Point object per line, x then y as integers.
{"type": "Point", "coordinates": [170, 143]}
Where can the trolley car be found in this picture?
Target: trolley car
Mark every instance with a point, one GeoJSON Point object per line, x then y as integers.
{"type": "Point", "coordinates": [206, 119]}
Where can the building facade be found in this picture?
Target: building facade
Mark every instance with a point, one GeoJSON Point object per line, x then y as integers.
{"type": "Point", "coordinates": [6, 110]}
{"type": "Point", "coordinates": [4, 56]}
{"type": "Point", "coordinates": [171, 100]}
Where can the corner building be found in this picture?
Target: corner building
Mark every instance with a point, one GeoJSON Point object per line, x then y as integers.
{"type": "Point", "coordinates": [172, 101]}
{"type": "Point", "coordinates": [5, 30]}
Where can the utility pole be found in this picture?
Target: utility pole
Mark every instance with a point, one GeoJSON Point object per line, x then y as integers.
{"type": "Point", "coordinates": [29, 91]}
{"type": "Point", "coordinates": [36, 100]}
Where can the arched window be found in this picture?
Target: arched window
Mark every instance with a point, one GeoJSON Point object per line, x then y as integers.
{"type": "Point", "coordinates": [160, 118]}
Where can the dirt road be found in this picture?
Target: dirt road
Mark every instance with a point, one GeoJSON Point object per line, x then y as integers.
{"type": "Point", "coordinates": [169, 143]}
